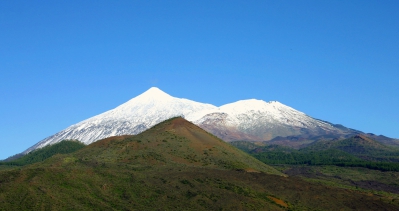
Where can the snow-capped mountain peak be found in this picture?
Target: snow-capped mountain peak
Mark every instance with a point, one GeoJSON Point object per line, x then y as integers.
{"type": "Point", "coordinates": [242, 120]}
{"type": "Point", "coordinates": [132, 117]}
{"type": "Point", "coordinates": [153, 94]}
{"type": "Point", "coordinates": [242, 106]}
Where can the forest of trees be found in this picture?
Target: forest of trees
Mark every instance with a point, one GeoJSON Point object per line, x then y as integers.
{"type": "Point", "coordinates": [325, 157]}
{"type": "Point", "coordinates": [63, 147]}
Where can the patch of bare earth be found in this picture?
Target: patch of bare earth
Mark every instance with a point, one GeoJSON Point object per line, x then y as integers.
{"type": "Point", "coordinates": [278, 201]}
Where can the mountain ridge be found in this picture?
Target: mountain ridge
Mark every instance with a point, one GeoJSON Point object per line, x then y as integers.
{"type": "Point", "coordinates": [252, 120]}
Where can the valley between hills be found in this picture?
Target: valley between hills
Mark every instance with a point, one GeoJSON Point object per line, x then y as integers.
{"type": "Point", "coordinates": [176, 165]}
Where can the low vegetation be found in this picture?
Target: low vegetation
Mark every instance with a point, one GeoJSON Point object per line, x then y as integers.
{"type": "Point", "coordinates": [357, 164]}
{"type": "Point", "coordinates": [63, 147]}
{"type": "Point", "coordinates": [173, 166]}
{"type": "Point", "coordinates": [358, 151]}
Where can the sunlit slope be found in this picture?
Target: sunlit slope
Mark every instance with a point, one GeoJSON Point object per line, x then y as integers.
{"type": "Point", "coordinates": [175, 142]}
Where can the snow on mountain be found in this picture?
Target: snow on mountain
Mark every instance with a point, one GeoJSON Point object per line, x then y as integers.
{"type": "Point", "coordinates": [255, 120]}
{"type": "Point", "coordinates": [132, 117]}
{"type": "Point", "coordinates": [246, 112]}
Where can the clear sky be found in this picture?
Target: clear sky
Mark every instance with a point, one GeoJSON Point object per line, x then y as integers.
{"type": "Point", "coordinates": [64, 61]}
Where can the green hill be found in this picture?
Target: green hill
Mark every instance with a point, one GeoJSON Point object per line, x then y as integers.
{"type": "Point", "coordinates": [357, 145]}
{"type": "Point", "coordinates": [175, 142]}
{"type": "Point", "coordinates": [63, 147]}
{"type": "Point", "coordinates": [173, 166]}
{"type": "Point", "coordinates": [356, 151]}
{"type": "Point", "coordinates": [360, 146]}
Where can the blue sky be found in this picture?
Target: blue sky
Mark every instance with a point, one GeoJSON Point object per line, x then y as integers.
{"type": "Point", "coordinates": [65, 61]}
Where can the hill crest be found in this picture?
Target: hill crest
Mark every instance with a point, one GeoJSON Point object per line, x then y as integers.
{"type": "Point", "coordinates": [175, 142]}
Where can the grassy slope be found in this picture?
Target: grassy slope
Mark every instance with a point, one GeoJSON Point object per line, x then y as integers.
{"type": "Point", "coordinates": [173, 166]}
{"type": "Point", "coordinates": [358, 151]}
{"type": "Point", "coordinates": [325, 155]}
{"type": "Point", "coordinates": [384, 183]}
{"type": "Point", "coordinates": [120, 187]}
{"type": "Point", "coordinates": [175, 142]}
{"type": "Point", "coordinates": [63, 147]}
{"type": "Point", "coordinates": [357, 145]}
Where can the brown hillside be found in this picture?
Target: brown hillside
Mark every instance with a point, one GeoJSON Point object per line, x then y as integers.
{"type": "Point", "coordinates": [364, 140]}
{"type": "Point", "coordinates": [173, 142]}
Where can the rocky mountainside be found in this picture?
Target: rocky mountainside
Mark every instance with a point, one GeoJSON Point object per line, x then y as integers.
{"type": "Point", "coordinates": [257, 120]}
{"type": "Point", "coordinates": [251, 120]}
{"type": "Point", "coordinates": [130, 118]}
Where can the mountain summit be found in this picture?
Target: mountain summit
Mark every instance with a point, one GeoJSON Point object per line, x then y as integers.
{"type": "Point", "coordinates": [153, 94]}
{"type": "Point", "coordinates": [134, 116]}
{"type": "Point", "coordinates": [174, 142]}
{"type": "Point", "coordinates": [253, 120]}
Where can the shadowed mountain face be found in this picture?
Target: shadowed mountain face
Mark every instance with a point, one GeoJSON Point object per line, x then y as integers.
{"type": "Point", "coordinates": [308, 138]}
{"type": "Point", "coordinates": [383, 139]}
{"type": "Point", "coordinates": [357, 151]}
{"type": "Point", "coordinates": [175, 165]}
{"type": "Point", "coordinates": [357, 145]}
{"type": "Point", "coordinates": [361, 146]}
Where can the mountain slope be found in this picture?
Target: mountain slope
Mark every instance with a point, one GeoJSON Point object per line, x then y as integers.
{"type": "Point", "coordinates": [173, 142]}
{"type": "Point", "coordinates": [168, 167]}
{"type": "Point", "coordinates": [253, 120]}
{"type": "Point", "coordinates": [63, 147]}
{"type": "Point", "coordinates": [132, 117]}
{"type": "Point", "coordinates": [359, 144]}
{"type": "Point", "coordinates": [257, 120]}
{"type": "Point", "coordinates": [356, 151]}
